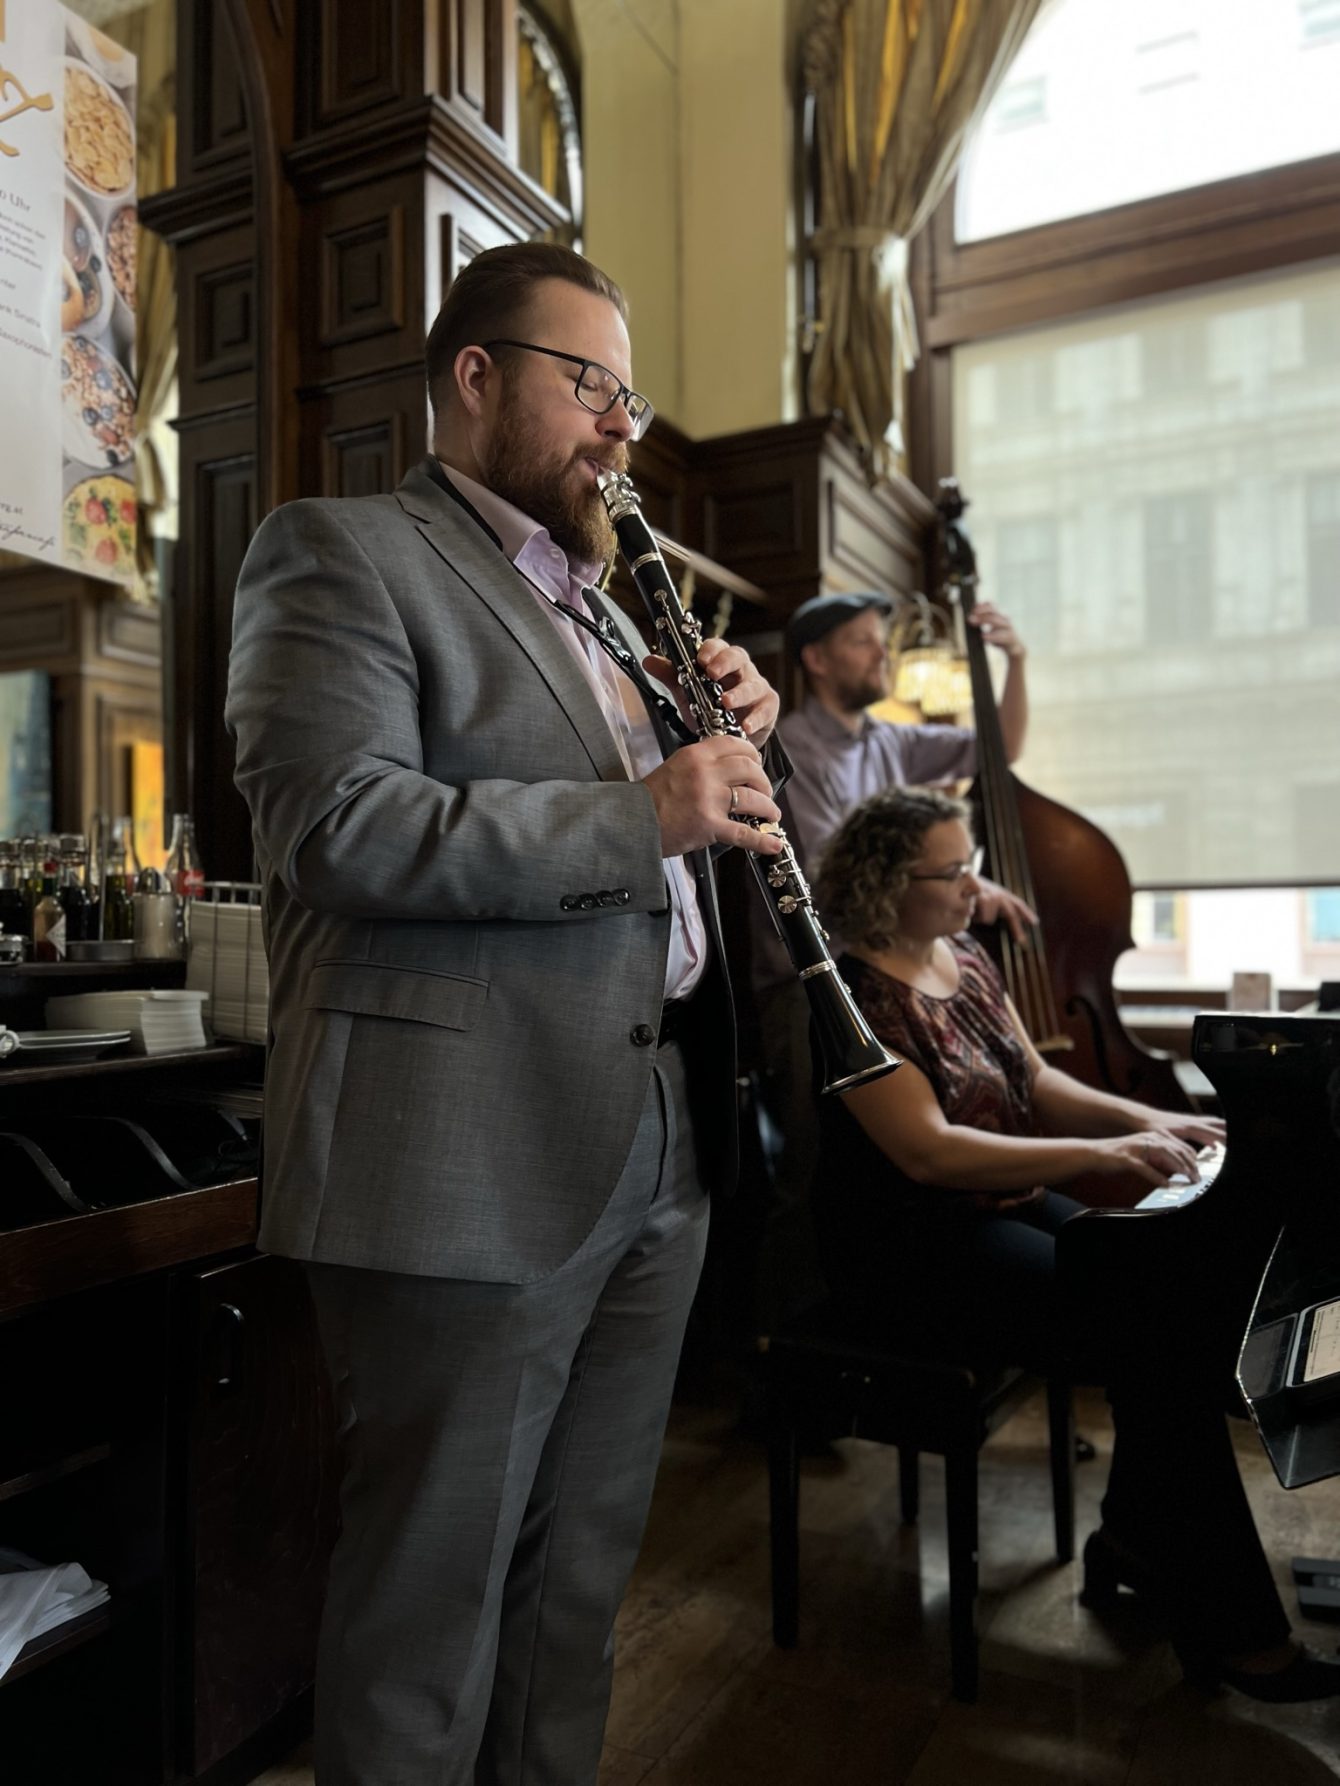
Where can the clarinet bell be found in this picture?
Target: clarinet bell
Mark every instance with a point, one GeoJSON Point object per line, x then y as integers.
{"type": "Point", "coordinates": [848, 1051]}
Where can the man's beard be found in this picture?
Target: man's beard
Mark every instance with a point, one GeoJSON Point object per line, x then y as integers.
{"type": "Point", "coordinates": [856, 696]}
{"type": "Point", "coordinates": [549, 485]}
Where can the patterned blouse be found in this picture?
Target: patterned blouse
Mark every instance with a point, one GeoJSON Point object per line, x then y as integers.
{"type": "Point", "coordinates": [880, 1231]}
{"type": "Point", "coordinates": [965, 1044]}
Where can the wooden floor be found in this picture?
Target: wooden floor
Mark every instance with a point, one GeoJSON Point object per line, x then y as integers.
{"type": "Point", "coordinates": [701, 1697]}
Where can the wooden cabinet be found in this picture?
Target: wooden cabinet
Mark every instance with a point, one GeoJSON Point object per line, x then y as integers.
{"type": "Point", "coordinates": [81, 1480]}
{"type": "Point", "coordinates": [164, 1421]}
{"type": "Point", "coordinates": [256, 1500]}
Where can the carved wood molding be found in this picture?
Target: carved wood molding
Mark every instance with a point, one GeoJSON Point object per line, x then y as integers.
{"type": "Point", "coordinates": [789, 507]}
{"type": "Point", "coordinates": [362, 278]}
{"type": "Point", "coordinates": [423, 133]}
{"type": "Point", "coordinates": [129, 633]}
{"type": "Point", "coordinates": [38, 633]}
{"type": "Point", "coordinates": [184, 214]}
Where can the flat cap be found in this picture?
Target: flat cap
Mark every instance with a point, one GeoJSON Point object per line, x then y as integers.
{"type": "Point", "coordinates": [816, 618]}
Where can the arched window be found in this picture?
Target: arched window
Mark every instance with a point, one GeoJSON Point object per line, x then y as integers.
{"type": "Point", "coordinates": [549, 141]}
{"type": "Point", "coordinates": [1106, 105]}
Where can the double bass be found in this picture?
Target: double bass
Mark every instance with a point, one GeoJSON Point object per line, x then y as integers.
{"type": "Point", "coordinates": [1070, 872]}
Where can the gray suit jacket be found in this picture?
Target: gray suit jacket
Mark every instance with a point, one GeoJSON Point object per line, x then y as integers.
{"type": "Point", "coordinates": [458, 1053]}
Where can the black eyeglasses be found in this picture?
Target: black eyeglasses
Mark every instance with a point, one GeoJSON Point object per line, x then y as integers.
{"type": "Point", "coordinates": [596, 386]}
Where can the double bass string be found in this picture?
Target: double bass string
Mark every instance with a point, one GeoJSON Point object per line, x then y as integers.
{"type": "Point", "coordinates": [1024, 964]}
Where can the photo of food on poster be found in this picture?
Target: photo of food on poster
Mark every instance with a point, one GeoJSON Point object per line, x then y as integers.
{"type": "Point", "coordinates": [68, 221]}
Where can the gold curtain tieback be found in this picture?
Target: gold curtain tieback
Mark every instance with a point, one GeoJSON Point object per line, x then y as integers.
{"type": "Point", "coordinates": [857, 235]}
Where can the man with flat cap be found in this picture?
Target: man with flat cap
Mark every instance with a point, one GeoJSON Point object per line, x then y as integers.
{"type": "Point", "coordinates": [840, 756]}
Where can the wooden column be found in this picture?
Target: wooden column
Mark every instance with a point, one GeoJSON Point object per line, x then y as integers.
{"type": "Point", "coordinates": [339, 161]}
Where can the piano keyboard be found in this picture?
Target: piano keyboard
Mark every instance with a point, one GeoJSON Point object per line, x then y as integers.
{"type": "Point", "coordinates": [1179, 1189]}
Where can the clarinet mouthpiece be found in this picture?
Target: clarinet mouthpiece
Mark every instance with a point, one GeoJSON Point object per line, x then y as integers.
{"type": "Point", "coordinates": [621, 499]}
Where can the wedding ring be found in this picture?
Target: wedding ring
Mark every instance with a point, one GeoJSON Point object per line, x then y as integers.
{"type": "Point", "coordinates": [734, 799]}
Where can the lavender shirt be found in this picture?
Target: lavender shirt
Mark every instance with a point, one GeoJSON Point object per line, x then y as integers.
{"type": "Point", "coordinates": [555, 579]}
{"type": "Point", "coordinates": [833, 769]}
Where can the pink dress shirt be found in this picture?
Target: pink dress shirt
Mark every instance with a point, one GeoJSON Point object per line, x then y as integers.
{"type": "Point", "coordinates": [547, 568]}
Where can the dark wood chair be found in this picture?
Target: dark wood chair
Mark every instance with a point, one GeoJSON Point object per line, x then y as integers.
{"type": "Point", "coordinates": [818, 1380]}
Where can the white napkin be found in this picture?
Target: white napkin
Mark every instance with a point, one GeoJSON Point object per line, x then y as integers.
{"type": "Point", "coordinates": [34, 1598]}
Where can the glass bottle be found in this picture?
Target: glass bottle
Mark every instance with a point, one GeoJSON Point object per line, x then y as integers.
{"type": "Point", "coordinates": [118, 918]}
{"type": "Point", "coordinates": [30, 870]}
{"type": "Point", "coordinates": [184, 868]}
{"type": "Point", "coordinates": [80, 913]}
{"type": "Point", "coordinates": [49, 916]}
{"type": "Point", "coordinates": [16, 912]}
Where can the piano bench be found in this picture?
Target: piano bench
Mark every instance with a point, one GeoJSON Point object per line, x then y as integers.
{"type": "Point", "coordinates": [818, 1379]}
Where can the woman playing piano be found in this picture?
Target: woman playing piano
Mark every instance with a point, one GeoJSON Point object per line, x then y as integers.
{"type": "Point", "coordinates": [938, 1224]}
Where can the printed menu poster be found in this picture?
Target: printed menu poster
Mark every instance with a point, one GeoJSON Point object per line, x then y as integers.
{"type": "Point", "coordinates": [68, 220]}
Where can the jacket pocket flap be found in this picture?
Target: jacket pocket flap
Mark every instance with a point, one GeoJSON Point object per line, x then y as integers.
{"type": "Point", "coordinates": [373, 989]}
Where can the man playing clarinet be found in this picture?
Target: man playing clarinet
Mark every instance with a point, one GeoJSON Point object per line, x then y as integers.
{"type": "Point", "coordinates": [501, 1078]}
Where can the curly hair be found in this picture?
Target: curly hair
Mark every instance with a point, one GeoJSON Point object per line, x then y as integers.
{"type": "Point", "coordinates": [864, 872]}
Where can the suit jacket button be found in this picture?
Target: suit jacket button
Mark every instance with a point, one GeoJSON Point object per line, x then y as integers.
{"type": "Point", "coordinates": [605, 897]}
{"type": "Point", "coordinates": [568, 903]}
{"type": "Point", "coordinates": [622, 896]}
{"type": "Point", "coordinates": [587, 902]}
{"type": "Point", "coordinates": [642, 1036]}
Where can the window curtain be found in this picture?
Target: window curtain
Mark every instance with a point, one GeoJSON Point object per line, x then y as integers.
{"type": "Point", "coordinates": [898, 86]}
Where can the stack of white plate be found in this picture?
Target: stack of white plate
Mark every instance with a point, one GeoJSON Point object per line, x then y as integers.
{"type": "Point", "coordinates": [61, 1047]}
{"type": "Point", "coordinates": [227, 960]}
{"type": "Point", "coordinates": [157, 1022]}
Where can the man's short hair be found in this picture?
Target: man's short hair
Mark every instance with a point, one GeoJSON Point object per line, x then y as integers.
{"type": "Point", "coordinates": [491, 298]}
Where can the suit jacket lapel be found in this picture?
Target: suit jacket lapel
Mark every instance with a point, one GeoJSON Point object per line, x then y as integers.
{"type": "Point", "coordinates": [453, 529]}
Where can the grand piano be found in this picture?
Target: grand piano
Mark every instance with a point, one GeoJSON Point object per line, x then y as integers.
{"type": "Point", "coordinates": [1240, 1274]}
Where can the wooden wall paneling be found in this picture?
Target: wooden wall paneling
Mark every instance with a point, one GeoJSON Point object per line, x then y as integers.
{"type": "Point", "coordinates": [363, 257]}
{"type": "Point", "coordinates": [115, 716]}
{"type": "Point", "coordinates": [491, 201]}
{"type": "Point", "coordinates": [332, 145]}
{"type": "Point", "coordinates": [39, 630]}
{"type": "Point", "coordinates": [119, 695]}
{"type": "Point", "coordinates": [362, 56]}
{"type": "Point", "coordinates": [74, 760]}
{"type": "Point", "coordinates": [476, 62]}
{"type": "Point", "coordinates": [658, 466]}
{"type": "Point", "coordinates": [459, 229]}
{"type": "Point", "coordinates": [217, 321]}
{"type": "Point", "coordinates": [267, 34]}
{"type": "Point", "coordinates": [128, 633]}
{"type": "Point", "coordinates": [219, 491]}
{"type": "Point", "coordinates": [871, 539]}
{"type": "Point", "coordinates": [255, 1470]}
{"type": "Point", "coordinates": [757, 493]}
{"type": "Point", "coordinates": [211, 110]}
{"type": "Point", "coordinates": [100, 651]}
{"type": "Point", "coordinates": [363, 437]}
{"type": "Point", "coordinates": [790, 508]}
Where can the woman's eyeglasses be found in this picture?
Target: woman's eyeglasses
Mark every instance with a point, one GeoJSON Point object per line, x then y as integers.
{"type": "Point", "coordinates": [954, 873]}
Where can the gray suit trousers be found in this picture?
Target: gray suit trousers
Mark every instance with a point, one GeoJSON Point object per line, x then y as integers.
{"type": "Point", "coordinates": [501, 1447]}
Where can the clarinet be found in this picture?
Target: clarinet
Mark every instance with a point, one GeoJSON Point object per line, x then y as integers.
{"type": "Point", "coordinates": [849, 1050]}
